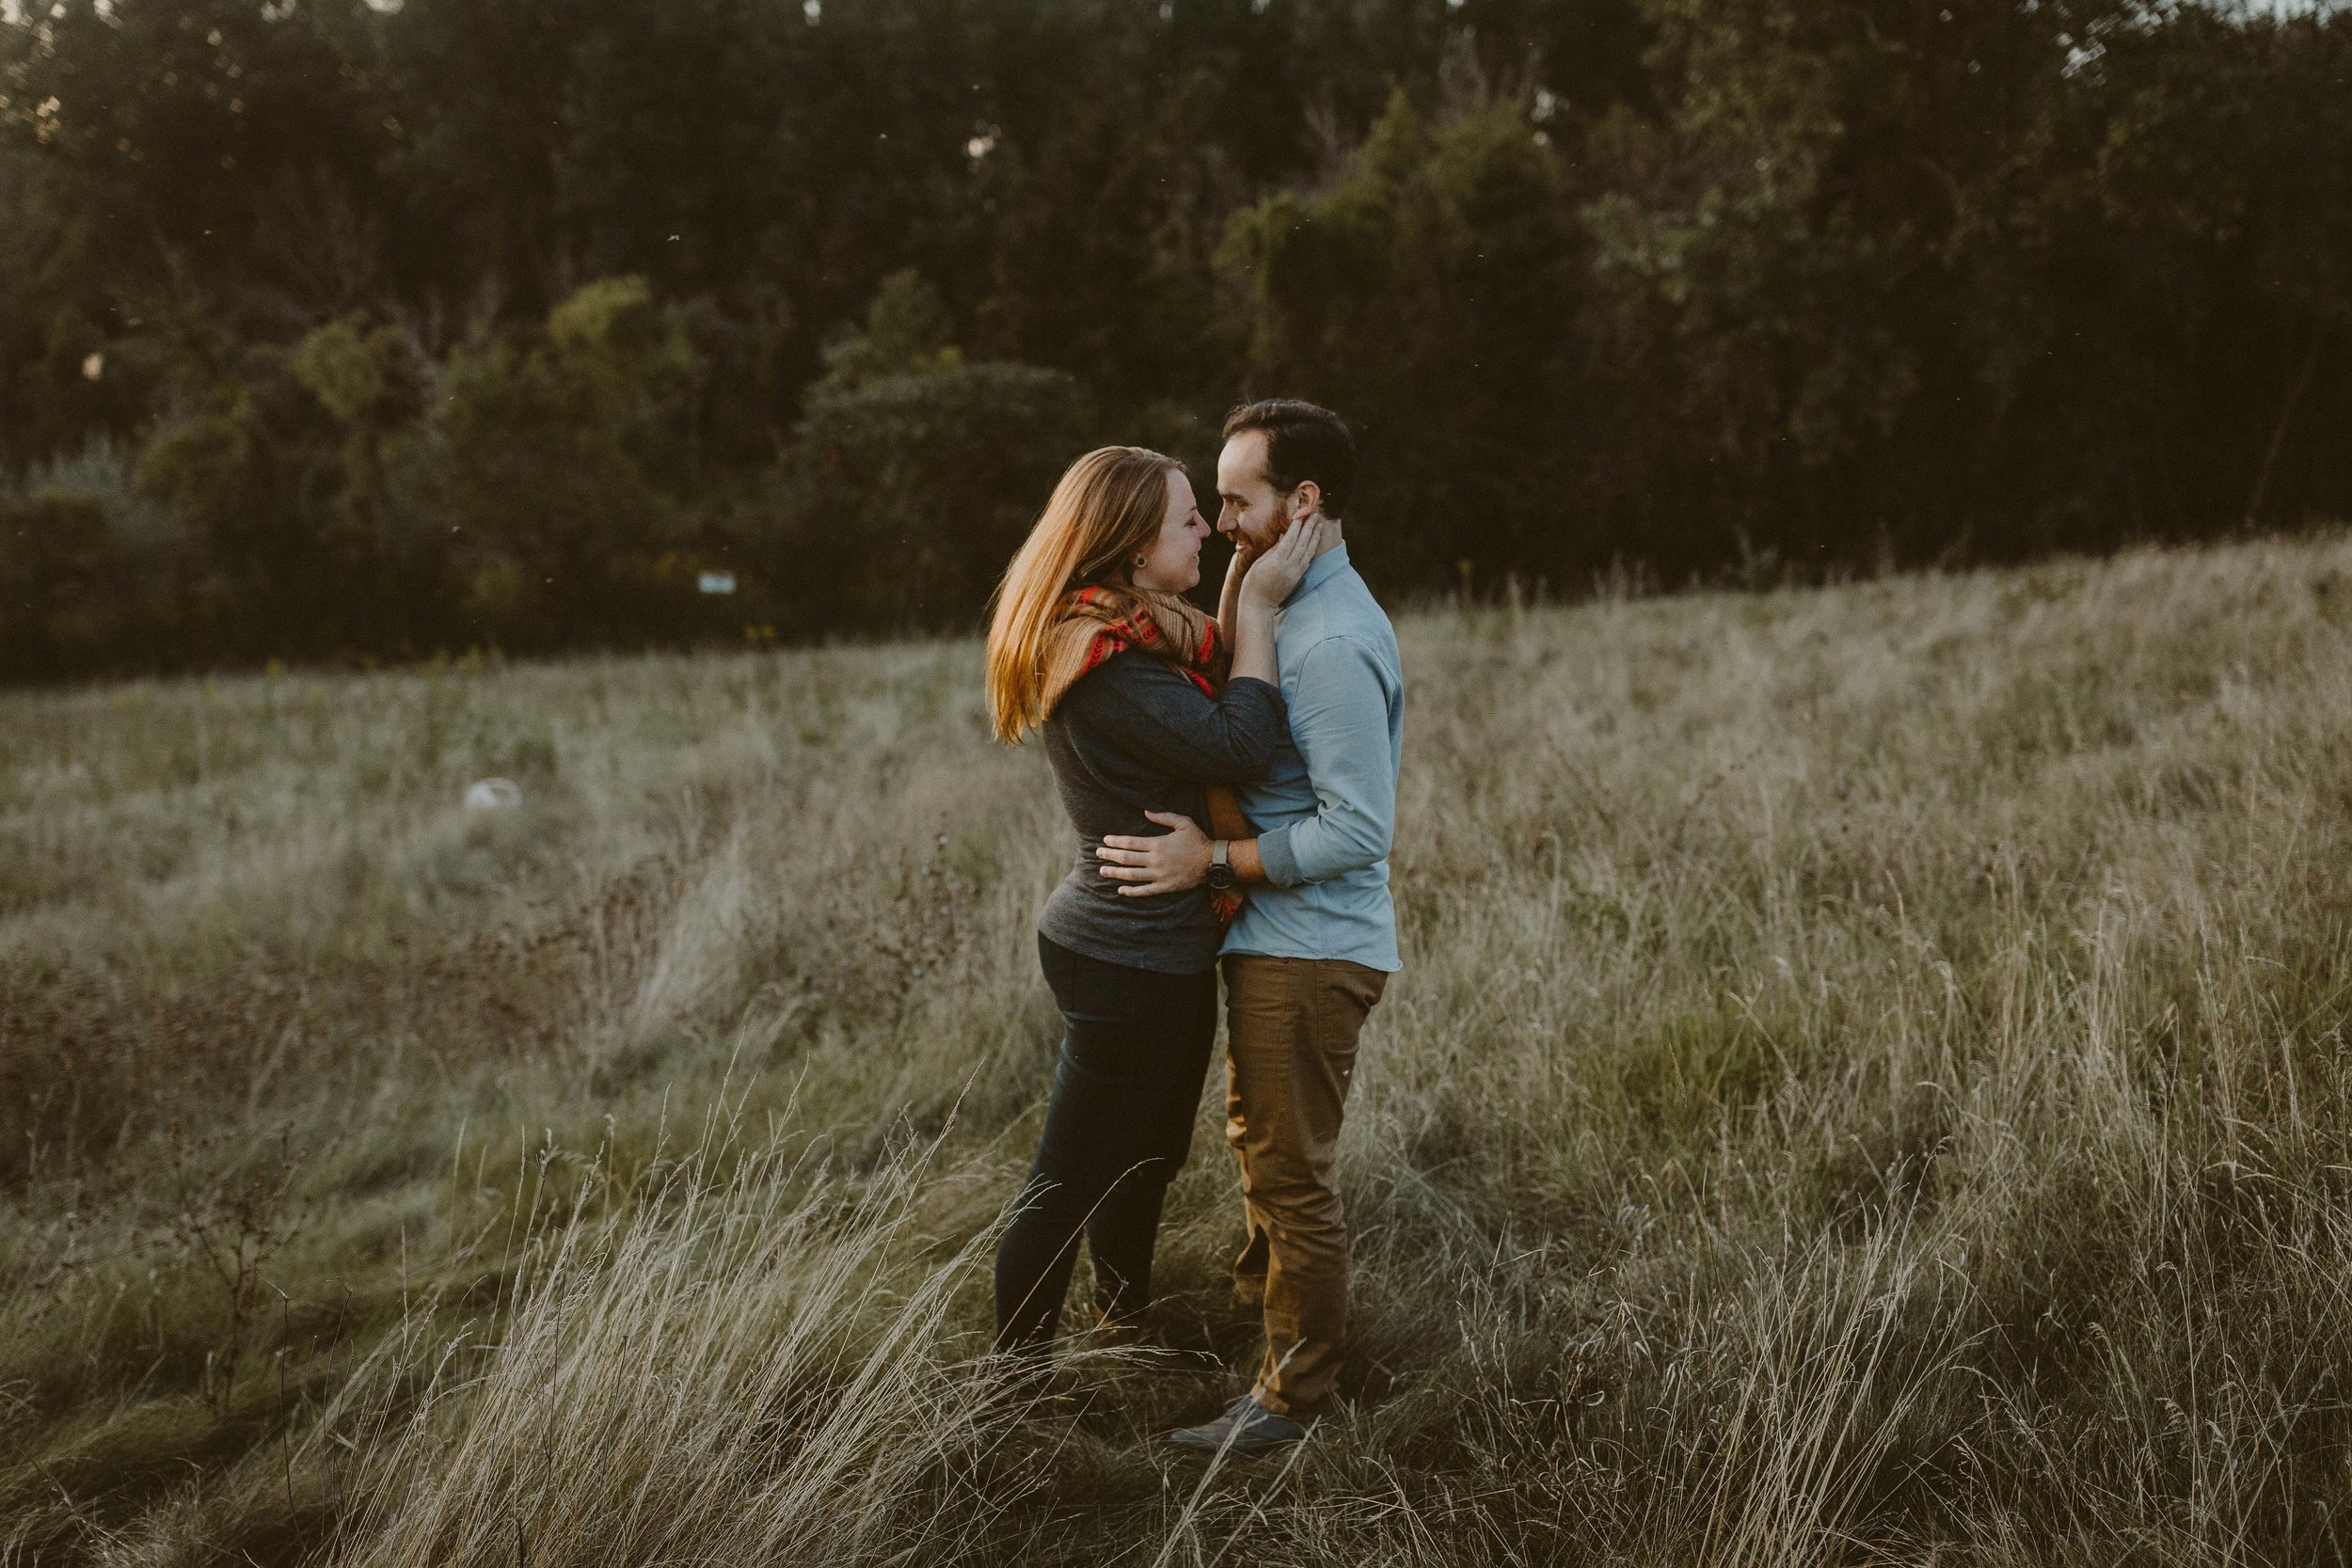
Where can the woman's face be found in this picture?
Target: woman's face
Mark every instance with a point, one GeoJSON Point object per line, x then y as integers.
{"type": "Point", "coordinates": [1171, 563]}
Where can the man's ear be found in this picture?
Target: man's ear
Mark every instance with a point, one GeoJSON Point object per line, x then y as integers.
{"type": "Point", "coordinates": [1306, 500]}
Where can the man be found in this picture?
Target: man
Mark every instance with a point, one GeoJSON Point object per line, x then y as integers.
{"type": "Point", "coordinates": [1314, 944]}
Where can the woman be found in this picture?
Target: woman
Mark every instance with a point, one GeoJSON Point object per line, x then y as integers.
{"type": "Point", "coordinates": [1144, 702]}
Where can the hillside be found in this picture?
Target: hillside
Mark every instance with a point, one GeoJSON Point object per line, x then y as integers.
{"type": "Point", "coordinates": [1869, 1083]}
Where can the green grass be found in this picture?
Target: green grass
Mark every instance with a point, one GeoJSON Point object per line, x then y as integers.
{"type": "Point", "coordinates": [1868, 1085]}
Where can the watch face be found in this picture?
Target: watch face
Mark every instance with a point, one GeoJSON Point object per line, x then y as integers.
{"type": "Point", "coordinates": [1221, 876]}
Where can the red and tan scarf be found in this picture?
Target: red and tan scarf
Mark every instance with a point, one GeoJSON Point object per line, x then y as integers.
{"type": "Point", "coordinates": [1096, 622]}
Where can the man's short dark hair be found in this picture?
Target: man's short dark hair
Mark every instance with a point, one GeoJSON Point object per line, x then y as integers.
{"type": "Point", "coordinates": [1302, 442]}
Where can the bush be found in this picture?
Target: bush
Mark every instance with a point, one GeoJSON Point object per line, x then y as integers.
{"type": "Point", "coordinates": [565, 448]}
{"type": "Point", "coordinates": [60, 603]}
{"type": "Point", "coordinates": [907, 498]}
{"type": "Point", "coordinates": [913, 475]}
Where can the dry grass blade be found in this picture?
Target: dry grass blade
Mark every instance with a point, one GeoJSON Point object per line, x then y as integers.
{"type": "Point", "coordinates": [747, 1369]}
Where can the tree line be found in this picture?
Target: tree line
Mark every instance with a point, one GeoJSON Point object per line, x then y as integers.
{"type": "Point", "coordinates": [335, 330]}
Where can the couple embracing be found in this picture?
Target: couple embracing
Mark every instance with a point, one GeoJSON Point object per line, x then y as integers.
{"type": "Point", "coordinates": [1233, 786]}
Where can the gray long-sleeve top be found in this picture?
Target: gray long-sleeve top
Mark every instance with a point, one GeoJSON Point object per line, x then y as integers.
{"type": "Point", "coordinates": [1134, 734]}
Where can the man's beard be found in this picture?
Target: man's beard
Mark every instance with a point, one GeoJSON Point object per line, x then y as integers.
{"type": "Point", "coordinates": [1265, 540]}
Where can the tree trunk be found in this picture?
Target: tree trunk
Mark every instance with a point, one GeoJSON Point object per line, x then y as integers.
{"type": "Point", "coordinates": [2278, 435]}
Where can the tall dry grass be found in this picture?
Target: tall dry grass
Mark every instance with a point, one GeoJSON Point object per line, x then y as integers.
{"type": "Point", "coordinates": [737, 1366]}
{"type": "Point", "coordinates": [1868, 1086]}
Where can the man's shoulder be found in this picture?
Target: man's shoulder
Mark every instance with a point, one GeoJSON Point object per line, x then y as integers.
{"type": "Point", "coordinates": [1356, 609]}
{"type": "Point", "coordinates": [1352, 622]}
{"type": "Point", "coordinates": [1341, 606]}
{"type": "Point", "coordinates": [1353, 664]}
{"type": "Point", "coordinates": [1340, 644]}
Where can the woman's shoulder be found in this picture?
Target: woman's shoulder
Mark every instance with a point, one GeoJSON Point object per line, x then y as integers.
{"type": "Point", "coordinates": [1126, 674]}
{"type": "Point", "coordinates": [1095, 693]}
{"type": "Point", "coordinates": [1133, 692]}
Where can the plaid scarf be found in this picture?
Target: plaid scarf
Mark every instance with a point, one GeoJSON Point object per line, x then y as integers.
{"type": "Point", "coordinates": [1095, 622]}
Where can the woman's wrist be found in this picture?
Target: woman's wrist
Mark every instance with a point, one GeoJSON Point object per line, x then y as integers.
{"type": "Point", "coordinates": [1248, 865]}
{"type": "Point", "coordinates": [1253, 640]}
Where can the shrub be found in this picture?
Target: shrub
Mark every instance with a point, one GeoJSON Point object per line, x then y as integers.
{"type": "Point", "coordinates": [914, 474]}
{"type": "Point", "coordinates": [565, 448]}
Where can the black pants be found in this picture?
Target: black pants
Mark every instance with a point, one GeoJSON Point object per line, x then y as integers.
{"type": "Point", "coordinates": [1134, 1048]}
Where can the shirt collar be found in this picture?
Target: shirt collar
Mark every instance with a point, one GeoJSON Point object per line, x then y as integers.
{"type": "Point", "coordinates": [1330, 563]}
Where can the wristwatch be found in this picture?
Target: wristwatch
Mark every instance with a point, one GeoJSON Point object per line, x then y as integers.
{"type": "Point", "coordinates": [1220, 869]}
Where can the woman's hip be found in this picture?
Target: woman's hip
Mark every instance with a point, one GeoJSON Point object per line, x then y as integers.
{"type": "Point", "coordinates": [1150, 1001]}
{"type": "Point", "coordinates": [1134, 1050]}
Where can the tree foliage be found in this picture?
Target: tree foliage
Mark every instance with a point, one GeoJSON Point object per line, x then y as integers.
{"type": "Point", "coordinates": [499, 321]}
{"type": "Point", "coordinates": [913, 473]}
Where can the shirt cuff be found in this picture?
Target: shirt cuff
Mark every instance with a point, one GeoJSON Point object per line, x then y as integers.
{"type": "Point", "coordinates": [1273, 691]}
{"type": "Point", "coordinates": [1275, 856]}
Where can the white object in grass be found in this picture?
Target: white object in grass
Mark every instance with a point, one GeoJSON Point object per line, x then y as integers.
{"type": "Point", "coordinates": [493, 795]}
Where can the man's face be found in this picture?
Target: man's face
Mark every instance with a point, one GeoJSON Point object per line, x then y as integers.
{"type": "Point", "coordinates": [1250, 509]}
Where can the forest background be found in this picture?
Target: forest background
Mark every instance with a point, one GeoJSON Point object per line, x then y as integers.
{"type": "Point", "coordinates": [332, 331]}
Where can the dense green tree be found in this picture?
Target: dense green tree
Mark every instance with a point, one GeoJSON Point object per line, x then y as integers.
{"type": "Point", "coordinates": [383, 524]}
{"type": "Point", "coordinates": [54, 394]}
{"type": "Point", "coordinates": [220, 146]}
{"type": "Point", "coordinates": [1888, 280]}
{"type": "Point", "coordinates": [1433, 293]}
{"type": "Point", "coordinates": [62, 601]}
{"type": "Point", "coordinates": [247, 458]}
{"type": "Point", "coordinates": [561, 442]}
{"type": "Point", "coordinates": [913, 475]}
{"type": "Point", "coordinates": [1689, 283]}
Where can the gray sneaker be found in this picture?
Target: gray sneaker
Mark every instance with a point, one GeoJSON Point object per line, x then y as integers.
{"type": "Point", "coordinates": [1246, 1427]}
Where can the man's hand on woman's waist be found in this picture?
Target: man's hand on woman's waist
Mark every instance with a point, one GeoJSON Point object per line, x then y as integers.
{"type": "Point", "coordinates": [1173, 861]}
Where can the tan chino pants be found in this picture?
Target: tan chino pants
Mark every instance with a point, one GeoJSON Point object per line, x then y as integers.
{"type": "Point", "coordinates": [1292, 1026]}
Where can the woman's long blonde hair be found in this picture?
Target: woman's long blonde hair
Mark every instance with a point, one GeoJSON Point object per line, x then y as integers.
{"type": "Point", "coordinates": [1109, 504]}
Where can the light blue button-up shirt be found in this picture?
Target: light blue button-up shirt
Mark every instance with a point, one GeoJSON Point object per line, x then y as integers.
{"type": "Point", "coordinates": [1325, 812]}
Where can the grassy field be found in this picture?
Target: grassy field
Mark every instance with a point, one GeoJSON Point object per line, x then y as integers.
{"type": "Point", "coordinates": [1868, 1086]}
